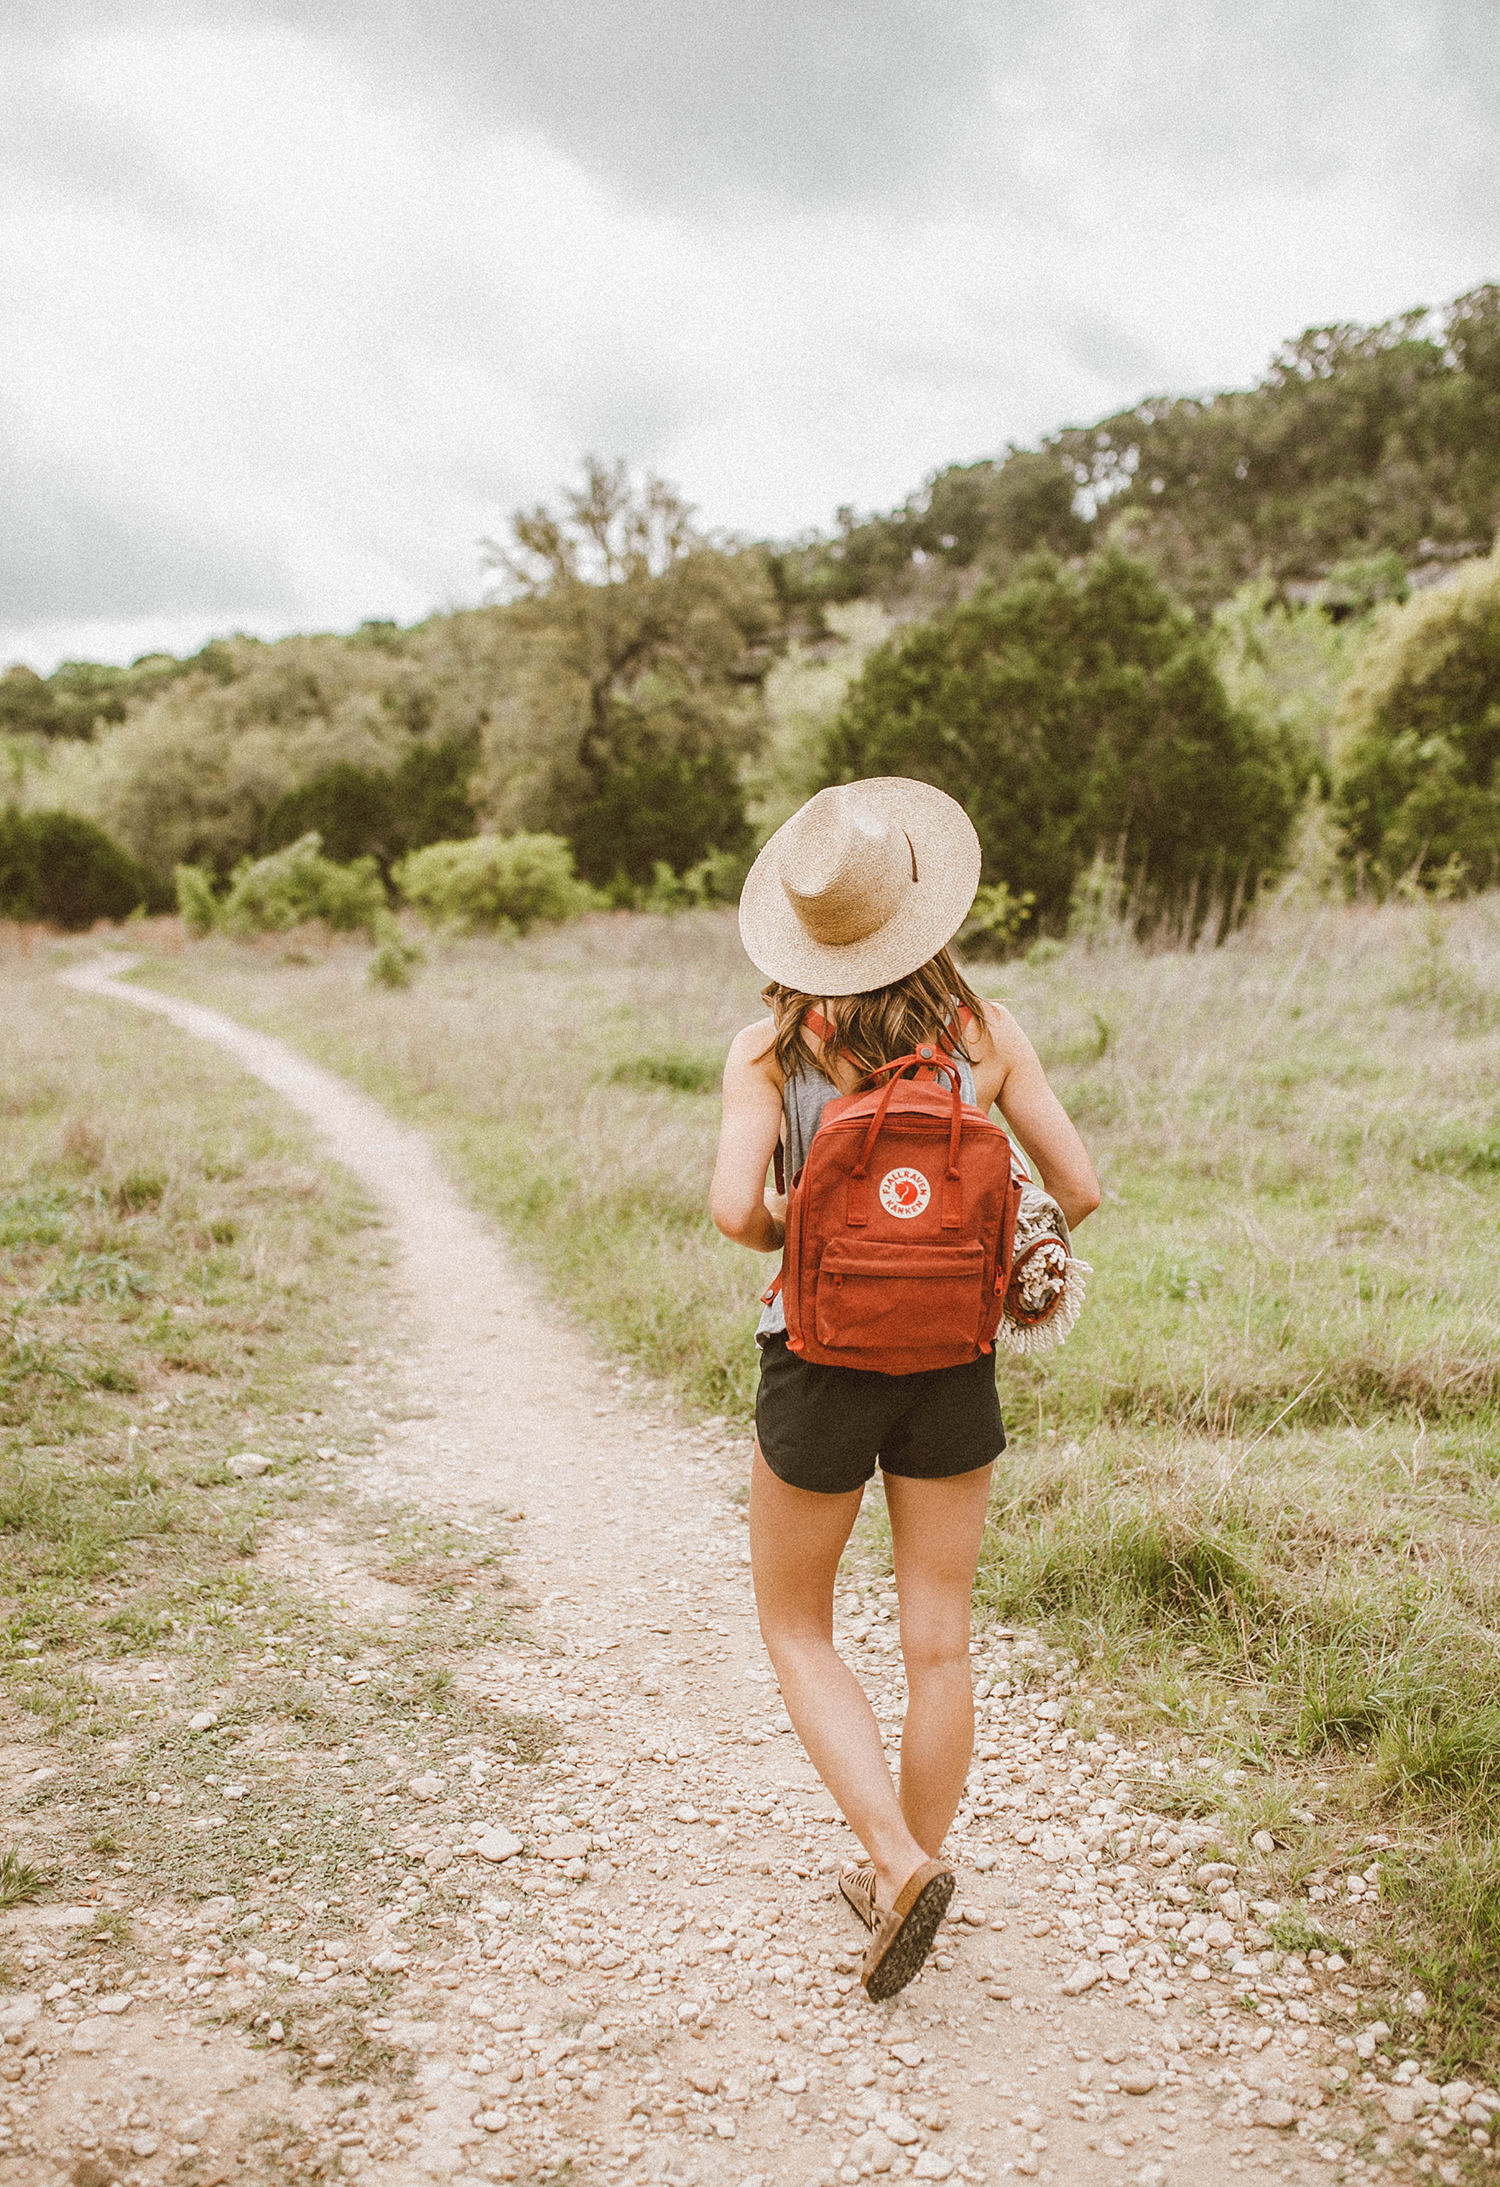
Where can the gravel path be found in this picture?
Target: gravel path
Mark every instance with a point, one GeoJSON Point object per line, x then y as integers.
{"type": "Point", "coordinates": [653, 1979]}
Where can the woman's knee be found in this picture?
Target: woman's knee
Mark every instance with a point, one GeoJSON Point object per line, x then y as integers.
{"type": "Point", "coordinates": [786, 1628]}
{"type": "Point", "coordinates": [936, 1648]}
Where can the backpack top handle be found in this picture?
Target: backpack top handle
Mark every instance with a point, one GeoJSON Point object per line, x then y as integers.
{"type": "Point", "coordinates": [926, 1058]}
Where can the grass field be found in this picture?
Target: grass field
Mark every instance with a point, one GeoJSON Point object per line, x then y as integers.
{"type": "Point", "coordinates": [184, 1280]}
{"type": "Point", "coordinates": [1258, 1492]}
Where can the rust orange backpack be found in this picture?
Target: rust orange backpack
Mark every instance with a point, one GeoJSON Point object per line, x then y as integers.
{"type": "Point", "coordinates": [900, 1226]}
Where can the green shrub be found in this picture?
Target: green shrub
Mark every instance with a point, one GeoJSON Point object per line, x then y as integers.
{"type": "Point", "coordinates": [381, 812]}
{"type": "Point", "coordinates": [65, 871]}
{"type": "Point", "coordinates": [1077, 711]}
{"type": "Point", "coordinates": [395, 956]}
{"type": "Point", "coordinates": [684, 1070]}
{"type": "Point", "coordinates": [993, 927]}
{"type": "Point", "coordinates": [1420, 780]}
{"type": "Point", "coordinates": [299, 883]}
{"type": "Point", "coordinates": [1286, 664]}
{"type": "Point", "coordinates": [716, 879]}
{"type": "Point", "coordinates": [197, 906]}
{"type": "Point", "coordinates": [494, 881]}
{"type": "Point", "coordinates": [655, 808]}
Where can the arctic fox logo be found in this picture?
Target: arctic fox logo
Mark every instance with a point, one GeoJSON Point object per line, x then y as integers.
{"type": "Point", "coordinates": [904, 1192]}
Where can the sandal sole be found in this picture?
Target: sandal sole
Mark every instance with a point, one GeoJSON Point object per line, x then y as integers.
{"type": "Point", "coordinates": [906, 1954]}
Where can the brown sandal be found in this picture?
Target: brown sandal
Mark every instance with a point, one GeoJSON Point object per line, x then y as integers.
{"type": "Point", "coordinates": [904, 1938]}
{"type": "Point", "coordinates": [857, 1889]}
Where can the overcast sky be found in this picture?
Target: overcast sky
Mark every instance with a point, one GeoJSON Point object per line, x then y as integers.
{"type": "Point", "coordinates": [299, 298]}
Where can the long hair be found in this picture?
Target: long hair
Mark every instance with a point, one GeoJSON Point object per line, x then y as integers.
{"type": "Point", "coordinates": [874, 1028]}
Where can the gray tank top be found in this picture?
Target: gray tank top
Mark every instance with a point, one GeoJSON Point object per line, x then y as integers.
{"type": "Point", "coordinates": [805, 1097]}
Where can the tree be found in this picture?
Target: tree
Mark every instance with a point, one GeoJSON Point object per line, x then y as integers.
{"type": "Point", "coordinates": [1073, 713]}
{"type": "Point", "coordinates": [637, 640]}
{"type": "Point", "coordinates": [381, 812]}
{"type": "Point", "coordinates": [370, 744]}
{"type": "Point", "coordinates": [996, 512]}
{"type": "Point", "coordinates": [657, 805]}
{"type": "Point", "coordinates": [1358, 442]}
{"type": "Point", "coordinates": [1419, 783]}
{"type": "Point", "coordinates": [80, 696]}
{"type": "Point", "coordinates": [58, 868]}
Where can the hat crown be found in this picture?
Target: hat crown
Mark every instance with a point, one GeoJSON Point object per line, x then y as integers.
{"type": "Point", "coordinates": [845, 867]}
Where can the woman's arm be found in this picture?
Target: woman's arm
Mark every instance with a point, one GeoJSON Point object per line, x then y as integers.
{"type": "Point", "coordinates": [742, 1205]}
{"type": "Point", "coordinates": [1035, 1115]}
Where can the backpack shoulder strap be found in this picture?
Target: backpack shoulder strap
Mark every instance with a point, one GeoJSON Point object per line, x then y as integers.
{"type": "Point", "coordinates": [966, 1024]}
{"type": "Point", "coordinates": [815, 1023]}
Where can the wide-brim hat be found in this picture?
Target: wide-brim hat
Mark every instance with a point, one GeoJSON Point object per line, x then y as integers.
{"type": "Point", "coordinates": [860, 887]}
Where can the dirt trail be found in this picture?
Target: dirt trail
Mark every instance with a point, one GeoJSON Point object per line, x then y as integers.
{"type": "Point", "coordinates": [665, 1988]}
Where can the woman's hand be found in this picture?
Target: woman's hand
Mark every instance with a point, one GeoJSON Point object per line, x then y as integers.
{"type": "Point", "coordinates": [743, 1206]}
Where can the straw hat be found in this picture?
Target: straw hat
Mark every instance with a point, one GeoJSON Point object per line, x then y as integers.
{"type": "Point", "coordinates": [860, 887]}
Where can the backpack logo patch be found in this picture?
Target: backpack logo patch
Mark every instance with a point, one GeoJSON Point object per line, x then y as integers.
{"type": "Point", "coordinates": [904, 1192]}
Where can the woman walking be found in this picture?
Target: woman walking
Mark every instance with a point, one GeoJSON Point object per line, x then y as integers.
{"type": "Point", "coordinates": [848, 912]}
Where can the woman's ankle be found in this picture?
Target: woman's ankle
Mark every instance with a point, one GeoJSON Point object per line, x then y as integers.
{"type": "Point", "coordinates": [892, 1873]}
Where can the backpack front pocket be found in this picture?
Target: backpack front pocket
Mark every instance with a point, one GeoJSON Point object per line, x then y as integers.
{"type": "Point", "coordinates": [875, 1296]}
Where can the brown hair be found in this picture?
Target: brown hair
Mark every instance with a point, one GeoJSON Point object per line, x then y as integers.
{"type": "Point", "coordinates": [874, 1028]}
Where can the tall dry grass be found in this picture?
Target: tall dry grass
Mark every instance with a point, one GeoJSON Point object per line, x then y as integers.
{"type": "Point", "coordinates": [1258, 1493]}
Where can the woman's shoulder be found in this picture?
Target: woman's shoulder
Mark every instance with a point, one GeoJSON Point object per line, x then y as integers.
{"type": "Point", "coordinates": [754, 1047]}
{"type": "Point", "coordinates": [995, 1048]}
{"type": "Point", "coordinates": [1000, 1032]}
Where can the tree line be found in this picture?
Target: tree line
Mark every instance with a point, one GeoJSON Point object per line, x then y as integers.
{"type": "Point", "coordinates": [1091, 644]}
{"type": "Point", "coordinates": [1358, 441]}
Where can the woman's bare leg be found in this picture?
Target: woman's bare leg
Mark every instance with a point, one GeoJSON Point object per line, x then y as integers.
{"type": "Point", "coordinates": [796, 1540]}
{"type": "Point", "coordinates": [936, 1528]}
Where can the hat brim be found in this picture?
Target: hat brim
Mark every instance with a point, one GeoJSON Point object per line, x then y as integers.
{"type": "Point", "coordinates": [948, 864]}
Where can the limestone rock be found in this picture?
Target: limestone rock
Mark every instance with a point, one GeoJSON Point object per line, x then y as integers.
{"type": "Point", "coordinates": [498, 1845]}
{"type": "Point", "coordinates": [1082, 1978]}
{"type": "Point", "coordinates": [875, 2149]}
{"type": "Point", "coordinates": [930, 2165]}
{"type": "Point", "coordinates": [248, 1466]}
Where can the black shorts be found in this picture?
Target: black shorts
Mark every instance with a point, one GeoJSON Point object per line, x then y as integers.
{"type": "Point", "coordinates": [823, 1428]}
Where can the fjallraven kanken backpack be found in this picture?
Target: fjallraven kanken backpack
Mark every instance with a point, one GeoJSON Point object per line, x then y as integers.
{"type": "Point", "coordinates": [900, 1226]}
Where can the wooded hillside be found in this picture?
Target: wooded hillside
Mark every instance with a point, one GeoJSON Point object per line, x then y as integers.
{"type": "Point", "coordinates": [1357, 441]}
{"type": "Point", "coordinates": [657, 695]}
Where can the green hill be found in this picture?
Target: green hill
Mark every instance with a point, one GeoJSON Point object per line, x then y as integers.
{"type": "Point", "coordinates": [657, 695]}
{"type": "Point", "coordinates": [1358, 441]}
